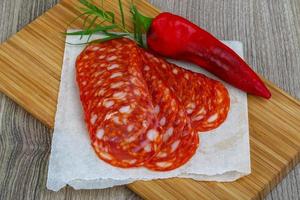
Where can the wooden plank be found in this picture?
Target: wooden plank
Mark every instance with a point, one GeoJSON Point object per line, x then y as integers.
{"type": "Point", "coordinates": [30, 71]}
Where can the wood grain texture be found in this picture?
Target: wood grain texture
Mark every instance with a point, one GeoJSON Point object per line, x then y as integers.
{"type": "Point", "coordinates": [25, 144]}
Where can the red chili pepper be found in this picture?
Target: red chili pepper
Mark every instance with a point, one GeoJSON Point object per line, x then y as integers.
{"type": "Point", "coordinates": [175, 37]}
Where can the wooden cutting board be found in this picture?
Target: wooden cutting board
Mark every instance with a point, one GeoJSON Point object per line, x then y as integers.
{"type": "Point", "coordinates": [30, 67]}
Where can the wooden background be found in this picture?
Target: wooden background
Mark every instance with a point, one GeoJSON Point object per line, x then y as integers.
{"type": "Point", "coordinates": [269, 29]}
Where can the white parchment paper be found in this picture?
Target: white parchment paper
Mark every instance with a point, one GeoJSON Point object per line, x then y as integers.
{"type": "Point", "coordinates": [223, 154]}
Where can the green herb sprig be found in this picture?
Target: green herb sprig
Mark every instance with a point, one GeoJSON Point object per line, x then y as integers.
{"type": "Point", "coordinates": [90, 27]}
{"type": "Point", "coordinates": [141, 24]}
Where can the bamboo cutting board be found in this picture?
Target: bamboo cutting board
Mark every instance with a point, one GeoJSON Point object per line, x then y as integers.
{"type": "Point", "coordinates": [30, 66]}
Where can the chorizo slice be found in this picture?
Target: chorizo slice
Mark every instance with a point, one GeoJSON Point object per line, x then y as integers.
{"type": "Point", "coordinates": [117, 104]}
{"type": "Point", "coordinates": [206, 101]}
{"type": "Point", "coordinates": [179, 141]}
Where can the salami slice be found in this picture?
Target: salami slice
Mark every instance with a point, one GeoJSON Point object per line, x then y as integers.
{"type": "Point", "coordinates": [206, 101]}
{"type": "Point", "coordinates": [117, 104]}
{"type": "Point", "coordinates": [214, 113]}
{"type": "Point", "coordinates": [179, 140]}
{"type": "Point", "coordinates": [141, 110]}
